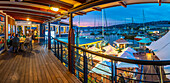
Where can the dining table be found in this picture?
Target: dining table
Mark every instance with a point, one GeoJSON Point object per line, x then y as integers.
{"type": "Point", "coordinates": [21, 42]}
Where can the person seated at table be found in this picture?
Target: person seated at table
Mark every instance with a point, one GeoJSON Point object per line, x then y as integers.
{"type": "Point", "coordinates": [28, 41]}
{"type": "Point", "coordinates": [15, 42]}
{"type": "Point", "coordinates": [12, 36]}
{"type": "Point", "coordinates": [121, 78]}
{"type": "Point", "coordinates": [10, 39]}
{"type": "Point", "coordinates": [21, 35]}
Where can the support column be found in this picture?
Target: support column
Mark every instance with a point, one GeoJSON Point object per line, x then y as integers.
{"type": "Point", "coordinates": [71, 41]}
{"type": "Point", "coordinates": [59, 29]}
{"type": "Point", "coordinates": [49, 36]}
{"type": "Point", "coordinates": [42, 32]}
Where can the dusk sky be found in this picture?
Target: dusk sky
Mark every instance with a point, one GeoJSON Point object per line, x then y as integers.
{"type": "Point", "coordinates": [117, 15]}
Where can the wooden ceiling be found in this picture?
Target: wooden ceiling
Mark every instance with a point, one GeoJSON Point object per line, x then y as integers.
{"type": "Point", "coordinates": [40, 10]}
{"type": "Point", "coordinates": [37, 10]}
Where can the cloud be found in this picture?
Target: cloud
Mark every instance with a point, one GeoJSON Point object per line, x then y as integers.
{"type": "Point", "coordinates": [118, 15]}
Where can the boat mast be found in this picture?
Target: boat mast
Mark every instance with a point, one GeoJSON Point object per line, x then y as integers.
{"type": "Point", "coordinates": [77, 40]}
{"type": "Point", "coordinates": [105, 19]}
{"type": "Point", "coordinates": [132, 24]}
{"type": "Point", "coordinates": [143, 20]}
{"type": "Point", "coordinates": [102, 22]}
{"type": "Point", "coordinates": [94, 23]}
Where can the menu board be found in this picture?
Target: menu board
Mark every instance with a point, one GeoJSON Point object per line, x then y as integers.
{"type": "Point", "coordinates": [2, 32]}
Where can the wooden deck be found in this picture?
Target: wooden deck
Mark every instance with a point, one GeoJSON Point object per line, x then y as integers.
{"type": "Point", "coordinates": [39, 66]}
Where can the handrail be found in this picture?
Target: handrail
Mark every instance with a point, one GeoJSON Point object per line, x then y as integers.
{"type": "Point", "coordinates": [133, 61]}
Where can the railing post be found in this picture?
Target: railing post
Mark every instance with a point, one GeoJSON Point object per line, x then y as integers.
{"type": "Point", "coordinates": [49, 36]}
{"type": "Point", "coordinates": [58, 51]}
{"type": "Point", "coordinates": [115, 69]}
{"type": "Point", "coordinates": [85, 67]}
{"type": "Point", "coordinates": [161, 77]}
{"type": "Point", "coordinates": [46, 41]}
{"type": "Point", "coordinates": [112, 77]}
{"type": "Point", "coordinates": [55, 48]}
{"type": "Point", "coordinates": [61, 52]}
{"type": "Point", "coordinates": [71, 41]}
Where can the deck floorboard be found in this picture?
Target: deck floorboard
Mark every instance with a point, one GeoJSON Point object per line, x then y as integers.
{"type": "Point", "coordinates": [38, 66]}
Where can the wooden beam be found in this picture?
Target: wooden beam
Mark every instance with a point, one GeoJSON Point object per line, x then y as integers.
{"type": "Point", "coordinates": [81, 1]}
{"type": "Point", "coordinates": [159, 1]}
{"type": "Point", "coordinates": [81, 12]}
{"type": "Point", "coordinates": [78, 13]}
{"type": "Point", "coordinates": [55, 3]}
{"type": "Point", "coordinates": [122, 3]}
{"type": "Point", "coordinates": [86, 6]}
{"type": "Point", "coordinates": [10, 11]}
{"type": "Point", "coordinates": [90, 4]}
{"type": "Point", "coordinates": [25, 14]}
{"type": "Point", "coordinates": [29, 7]}
{"type": "Point", "coordinates": [97, 8]}
{"type": "Point", "coordinates": [27, 11]}
{"type": "Point", "coordinates": [30, 17]}
{"type": "Point", "coordinates": [59, 29]}
{"type": "Point", "coordinates": [65, 17]}
{"type": "Point", "coordinates": [71, 41]}
{"type": "Point", "coordinates": [49, 36]}
{"type": "Point", "coordinates": [25, 19]}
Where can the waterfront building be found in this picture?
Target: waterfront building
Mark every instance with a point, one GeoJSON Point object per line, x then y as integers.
{"type": "Point", "coordinates": [121, 43]}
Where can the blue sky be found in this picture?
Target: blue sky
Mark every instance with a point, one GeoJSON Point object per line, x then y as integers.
{"type": "Point", "coordinates": [117, 15]}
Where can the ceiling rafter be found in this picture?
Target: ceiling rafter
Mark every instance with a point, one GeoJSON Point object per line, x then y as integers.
{"type": "Point", "coordinates": [159, 1]}
{"type": "Point", "coordinates": [123, 3]}
{"type": "Point", "coordinates": [80, 1]}
{"type": "Point", "coordinates": [27, 11]}
{"type": "Point", "coordinates": [30, 7]}
{"type": "Point", "coordinates": [81, 12]}
{"type": "Point", "coordinates": [25, 19]}
{"type": "Point", "coordinates": [21, 14]}
{"type": "Point", "coordinates": [30, 17]}
{"type": "Point", "coordinates": [55, 3]}
{"type": "Point", "coordinates": [97, 8]}
{"type": "Point", "coordinates": [10, 11]}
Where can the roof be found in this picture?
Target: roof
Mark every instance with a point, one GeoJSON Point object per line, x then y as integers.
{"type": "Point", "coordinates": [121, 41]}
{"type": "Point", "coordinates": [93, 48]}
{"type": "Point", "coordinates": [42, 10]}
{"type": "Point", "coordinates": [126, 54]}
{"type": "Point", "coordinates": [82, 41]}
{"type": "Point", "coordinates": [129, 49]}
{"type": "Point", "coordinates": [104, 67]}
{"type": "Point", "coordinates": [145, 40]}
{"type": "Point", "coordinates": [127, 65]}
{"type": "Point", "coordinates": [161, 47]}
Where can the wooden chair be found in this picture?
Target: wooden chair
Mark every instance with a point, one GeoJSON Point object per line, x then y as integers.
{"type": "Point", "coordinates": [28, 46]}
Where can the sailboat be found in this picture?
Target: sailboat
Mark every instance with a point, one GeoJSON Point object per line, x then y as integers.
{"type": "Point", "coordinates": [104, 42]}
{"type": "Point", "coordinates": [141, 36]}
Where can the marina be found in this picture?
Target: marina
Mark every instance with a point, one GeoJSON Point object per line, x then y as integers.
{"type": "Point", "coordinates": [84, 41]}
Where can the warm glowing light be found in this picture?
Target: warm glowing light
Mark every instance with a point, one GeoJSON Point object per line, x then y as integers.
{"type": "Point", "coordinates": [54, 9]}
{"type": "Point", "coordinates": [29, 22]}
{"type": "Point", "coordinates": [28, 19]}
